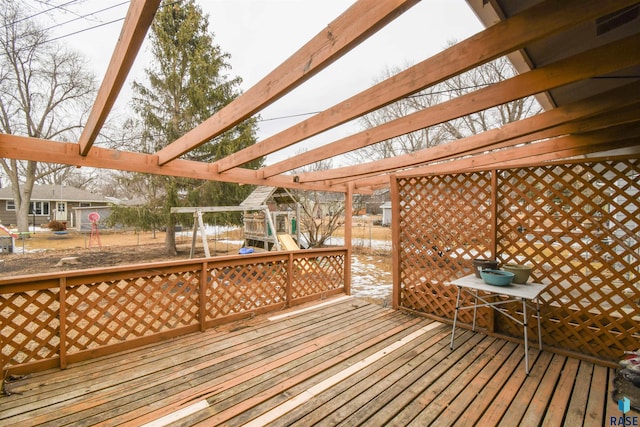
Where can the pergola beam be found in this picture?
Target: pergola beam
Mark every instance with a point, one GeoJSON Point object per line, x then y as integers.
{"type": "Point", "coordinates": [567, 145]}
{"type": "Point", "coordinates": [614, 118]}
{"type": "Point", "coordinates": [510, 158]}
{"type": "Point", "coordinates": [42, 150]}
{"type": "Point", "coordinates": [574, 152]}
{"type": "Point", "coordinates": [599, 61]}
{"type": "Point", "coordinates": [352, 27]}
{"type": "Point", "coordinates": [137, 22]}
{"type": "Point", "coordinates": [540, 21]}
{"type": "Point", "coordinates": [624, 98]}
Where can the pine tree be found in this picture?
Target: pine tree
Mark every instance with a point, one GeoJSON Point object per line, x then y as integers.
{"type": "Point", "coordinates": [186, 84]}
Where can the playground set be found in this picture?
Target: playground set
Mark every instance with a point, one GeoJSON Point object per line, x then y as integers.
{"type": "Point", "coordinates": [7, 240]}
{"type": "Point", "coordinates": [270, 221]}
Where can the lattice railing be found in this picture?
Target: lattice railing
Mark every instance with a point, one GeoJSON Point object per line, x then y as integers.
{"type": "Point", "coordinates": [577, 224]}
{"type": "Point", "coordinates": [54, 319]}
{"type": "Point", "coordinates": [105, 312]}
{"type": "Point", "coordinates": [241, 287]}
{"type": "Point", "coordinates": [317, 275]}
{"type": "Point", "coordinates": [30, 325]}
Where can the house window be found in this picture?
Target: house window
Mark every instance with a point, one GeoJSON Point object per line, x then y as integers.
{"type": "Point", "coordinates": [39, 208]}
{"type": "Point", "coordinates": [35, 208]}
{"type": "Point", "coordinates": [85, 204]}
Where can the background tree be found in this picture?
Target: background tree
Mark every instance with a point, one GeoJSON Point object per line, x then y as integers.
{"type": "Point", "coordinates": [321, 213]}
{"type": "Point", "coordinates": [186, 84]}
{"type": "Point", "coordinates": [479, 77]}
{"type": "Point", "coordinates": [143, 217]}
{"type": "Point", "coordinates": [45, 91]}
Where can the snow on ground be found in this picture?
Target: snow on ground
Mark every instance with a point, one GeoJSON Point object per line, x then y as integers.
{"type": "Point", "coordinates": [361, 243]}
{"type": "Point", "coordinates": [368, 280]}
{"type": "Point", "coordinates": [211, 230]}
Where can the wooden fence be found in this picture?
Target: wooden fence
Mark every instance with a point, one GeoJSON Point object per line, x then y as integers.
{"type": "Point", "coordinates": [577, 224]}
{"type": "Point", "coordinates": [51, 320]}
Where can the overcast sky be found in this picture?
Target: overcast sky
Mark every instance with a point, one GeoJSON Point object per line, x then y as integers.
{"type": "Point", "coordinates": [260, 34]}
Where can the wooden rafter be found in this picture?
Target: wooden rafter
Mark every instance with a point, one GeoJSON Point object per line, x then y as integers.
{"type": "Point", "coordinates": [599, 61]}
{"type": "Point", "coordinates": [355, 25]}
{"type": "Point", "coordinates": [527, 27]}
{"type": "Point", "coordinates": [137, 22]}
{"type": "Point", "coordinates": [614, 118]}
{"type": "Point", "coordinates": [623, 98]}
{"type": "Point", "coordinates": [630, 145]}
{"type": "Point", "coordinates": [548, 152]}
{"type": "Point", "coordinates": [626, 135]}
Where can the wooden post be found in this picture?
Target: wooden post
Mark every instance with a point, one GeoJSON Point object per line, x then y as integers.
{"type": "Point", "coordinates": [494, 213]}
{"type": "Point", "coordinates": [194, 235]}
{"type": "Point", "coordinates": [62, 295]}
{"type": "Point", "coordinates": [289, 289]}
{"type": "Point", "coordinates": [202, 300]}
{"type": "Point", "coordinates": [203, 233]}
{"type": "Point", "coordinates": [494, 235]}
{"type": "Point", "coordinates": [348, 229]}
{"type": "Point", "coordinates": [395, 241]}
{"type": "Point", "coordinates": [272, 226]}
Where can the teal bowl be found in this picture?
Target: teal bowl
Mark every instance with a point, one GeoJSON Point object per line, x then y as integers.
{"type": "Point", "coordinates": [496, 277]}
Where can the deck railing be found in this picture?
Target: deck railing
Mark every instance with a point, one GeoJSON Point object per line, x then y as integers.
{"type": "Point", "coordinates": [55, 319]}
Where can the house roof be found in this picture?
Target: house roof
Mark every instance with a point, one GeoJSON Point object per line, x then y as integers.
{"type": "Point", "coordinates": [579, 57]}
{"type": "Point", "coordinates": [55, 192]}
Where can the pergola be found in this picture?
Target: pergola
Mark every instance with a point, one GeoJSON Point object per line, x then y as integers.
{"type": "Point", "coordinates": [579, 58]}
{"type": "Point", "coordinates": [558, 190]}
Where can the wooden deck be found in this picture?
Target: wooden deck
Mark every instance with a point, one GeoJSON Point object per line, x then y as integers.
{"type": "Point", "coordinates": [344, 363]}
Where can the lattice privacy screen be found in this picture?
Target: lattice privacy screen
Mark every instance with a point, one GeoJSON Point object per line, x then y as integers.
{"type": "Point", "coordinates": [577, 224]}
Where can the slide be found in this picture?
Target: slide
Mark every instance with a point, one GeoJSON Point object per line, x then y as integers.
{"type": "Point", "coordinates": [287, 242]}
{"type": "Point", "coordinates": [6, 230]}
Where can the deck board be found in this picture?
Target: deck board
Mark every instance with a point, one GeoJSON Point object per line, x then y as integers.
{"type": "Point", "coordinates": [347, 363]}
{"type": "Point", "coordinates": [577, 405]}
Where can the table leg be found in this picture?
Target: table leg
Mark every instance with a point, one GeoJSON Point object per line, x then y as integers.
{"type": "Point", "coordinates": [475, 309]}
{"type": "Point", "coordinates": [539, 327]}
{"type": "Point", "coordinates": [455, 317]}
{"type": "Point", "coordinates": [526, 340]}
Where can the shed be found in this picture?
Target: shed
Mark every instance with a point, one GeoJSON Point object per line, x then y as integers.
{"type": "Point", "coordinates": [386, 214]}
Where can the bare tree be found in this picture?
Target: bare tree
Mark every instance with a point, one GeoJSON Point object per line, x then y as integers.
{"type": "Point", "coordinates": [482, 76]}
{"type": "Point", "coordinates": [322, 213]}
{"type": "Point", "coordinates": [44, 91]}
{"type": "Point", "coordinates": [477, 78]}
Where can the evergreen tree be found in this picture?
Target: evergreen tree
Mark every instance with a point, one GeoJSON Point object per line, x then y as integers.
{"type": "Point", "coordinates": [186, 84]}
